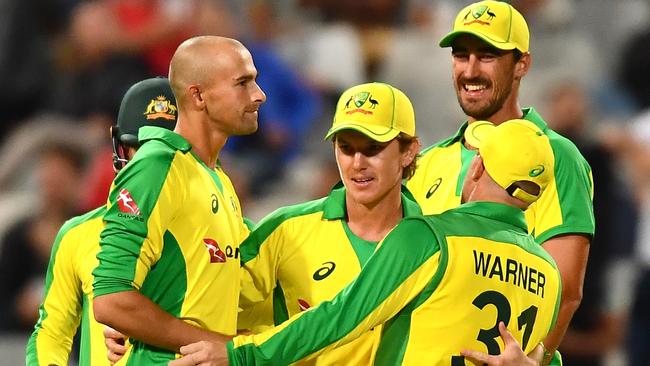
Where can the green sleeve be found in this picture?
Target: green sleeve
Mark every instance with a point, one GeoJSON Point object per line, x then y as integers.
{"type": "Point", "coordinates": [373, 298]}
{"type": "Point", "coordinates": [125, 233]}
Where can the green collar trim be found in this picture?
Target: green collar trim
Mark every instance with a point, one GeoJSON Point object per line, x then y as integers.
{"type": "Point", "coordinates": [171, 138]}
{"type": "Point", "coordinates": [334, 205]}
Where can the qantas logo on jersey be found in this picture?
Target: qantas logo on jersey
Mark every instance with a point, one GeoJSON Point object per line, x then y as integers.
{"type": "Point", "coordinates": [216, 254]}
{"type": "Point", "coordinates": [128, 208]}
{"type": "Point", "coordinates": [304, 305]}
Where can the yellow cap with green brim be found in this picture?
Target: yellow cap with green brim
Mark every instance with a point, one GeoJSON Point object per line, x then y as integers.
{"type": "Point", "coordinates": [377, 110]}
{"type": "Point", "coordinates": [514, 151]}
{"type": "Point", "coordinates": [495, 22]}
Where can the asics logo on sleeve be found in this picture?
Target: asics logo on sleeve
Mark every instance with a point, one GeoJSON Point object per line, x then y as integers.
{"type": "Point", "coordinates": [434, 187]}
{"type": "Point", "coordinates": [324, 271]}
{"type": "Point", "coordinates": [215, 204]}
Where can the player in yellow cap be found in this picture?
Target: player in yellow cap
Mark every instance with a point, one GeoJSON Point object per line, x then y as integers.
{"type": "Point", "coordinates": [441, 283]}
{"type": "Point", "coordinates": [490, 58]}
{"type": "Point", "coordinates": [302, 255]}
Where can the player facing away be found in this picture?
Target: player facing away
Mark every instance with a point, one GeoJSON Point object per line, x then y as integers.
{"type": "Point", "coordinates": [67, 303]}
{"type": "Point", "coordinates": [302, 255]}
{"type": "Point", "coordinates": [490, 58]}
{"type": "Point", "coordinates": [439, 283]}
{"type": "Point", "coordinates": [168, 269]}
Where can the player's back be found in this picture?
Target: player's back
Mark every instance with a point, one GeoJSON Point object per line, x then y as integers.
{"type": "Point", "coordinates": [490, 270]}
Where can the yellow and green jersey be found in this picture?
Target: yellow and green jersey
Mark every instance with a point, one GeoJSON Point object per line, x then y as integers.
{"type": "Point", "coordinates": [68, 297]}
{"type": "Point", "coordinates": [302, 255]}
{"type": "Point", "coordinates": [172, 231]}
{"type": "Point", "coordinates": [565, 207]}
{"type": "Point", "coordinates": [438, 284]}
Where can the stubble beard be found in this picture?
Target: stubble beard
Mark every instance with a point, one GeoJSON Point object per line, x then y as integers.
{"type": "Point", "coordinates": [483, 109]}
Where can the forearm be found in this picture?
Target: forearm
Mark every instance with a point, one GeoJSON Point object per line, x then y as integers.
{"type": "Point", "coordinates": [570, 253]}
{"type": "Point", "coordinates": [134, 314]}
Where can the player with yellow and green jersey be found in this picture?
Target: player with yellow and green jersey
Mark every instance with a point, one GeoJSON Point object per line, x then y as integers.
{"type": "Point", "coordinates": [566, 206]}
{"type": "Point", "coordinates": [490, 58]}
{"type": "Point", "coordinates": [67, 304]}
{"type": "Point", "coordinates": [305, 254]}
{"type": "Point", "coordinates": [443, 283]}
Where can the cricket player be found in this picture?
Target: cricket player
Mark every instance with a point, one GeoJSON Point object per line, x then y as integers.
{"type": "Point", "coordinates": [439, 283]}
{"type": "Point", "coordinates": [490, 57]}
{"type": "Point", "coordinates": [67, 304]}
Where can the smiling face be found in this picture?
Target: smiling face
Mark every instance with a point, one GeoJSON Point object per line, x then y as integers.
{"type": "Point", "coordinates": [370, 170]}
{"type": "Point", "coordinates": [485, 77]}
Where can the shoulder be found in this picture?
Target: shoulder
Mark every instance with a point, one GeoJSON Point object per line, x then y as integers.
{"type": "Point", "coordinates": [283, 214]}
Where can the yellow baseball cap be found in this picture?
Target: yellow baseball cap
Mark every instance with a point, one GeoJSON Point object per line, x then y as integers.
{"type": "Point", "coordinates": [514, 151]}
{"type": "Point", "coordinates": [495, 22]}
{"type": "Point", "coordinates": [379, 111]}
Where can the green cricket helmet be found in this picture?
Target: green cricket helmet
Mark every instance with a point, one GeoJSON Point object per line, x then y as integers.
{"type": "Point", "coordinates": [149, 102]}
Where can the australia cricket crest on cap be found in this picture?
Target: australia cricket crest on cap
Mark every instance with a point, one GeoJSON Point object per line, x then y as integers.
{"type": "Point", "coordinates": [359, 100]}
{"type": "Point", "coordinates": [477, 13]}
{"type": "Point", "coordinates": [160, 107]}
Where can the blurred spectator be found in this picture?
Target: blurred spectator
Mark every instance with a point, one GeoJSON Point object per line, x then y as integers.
{"type": "Point", "coordinates": [27, 244]}
{"type": "Point", "coordinates": [633, 146]}
{"type": "Point", "coordinates": [291, 107]}
{"type": "Point", "coordinates": [596, 329]}
{"type": "Point", "coordinates": [632, 70]}
{"type": "Point", "coordinates": [28, 31]}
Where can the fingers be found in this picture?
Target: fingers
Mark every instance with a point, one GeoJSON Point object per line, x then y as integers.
{"type": "Point", "coordinates": [506, 336]}
{"type": "Point", "coordinates": [537, 354]}
{"type": "Point", "coordinates": [115, 344]}
{"type": "Point", "coordinates": [476, 357]}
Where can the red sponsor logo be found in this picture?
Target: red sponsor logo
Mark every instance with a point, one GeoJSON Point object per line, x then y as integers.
{"type": "Point", "coordinates": [126, 203]}
{"type": "Point", "coordinates": [304, 305]}
{"type": "Point", "coordinates": [216, 254]}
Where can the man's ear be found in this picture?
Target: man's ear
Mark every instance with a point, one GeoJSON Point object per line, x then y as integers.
{"type": "Point", "coordinates": [195, 96]}
{"type": "Point", "coordinates": [523, 65]}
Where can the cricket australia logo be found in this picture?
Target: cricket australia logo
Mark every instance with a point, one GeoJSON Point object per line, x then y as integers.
{"type": "Point", "coordinates": [216, 254]}
{"type": "Point", "coordinates": [127, 204]}
{"type": "Point", "coordinates": [477, 13]}
{"type": "Point", "coordinates": [359, 100]}
{"type": "Point", "coordinates": [160, 108]}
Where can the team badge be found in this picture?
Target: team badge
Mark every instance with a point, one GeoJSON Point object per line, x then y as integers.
{"type": "Point", "coordinates": [126, 203]}
{"type": "Point", "coordinates": [160, 108]}
{"type": "Point", "coordinates": [359, 100]}
{"type": "Point", "coordinates": [477, 13]}
{"type": "Point", "coordinates": [216, 254]}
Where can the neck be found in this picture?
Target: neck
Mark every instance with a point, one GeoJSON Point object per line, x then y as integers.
{"type": "Point", "coordinates": [374, 222]}
{"type": "Point", "coordinates": [206, 140]}
{"type": "Point", "coordinates": [491, 192]}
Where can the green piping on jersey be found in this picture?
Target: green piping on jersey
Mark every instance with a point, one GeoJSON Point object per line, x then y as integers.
{"type": "Point", "coordinates": [280, 311]}
{"type": "Point", "coordinates": [214, 175]}
{"type": "Point", "coordinates": [31, 349]}
{"type": "Point", "coordinates": [466, 156]}
{"type": "Point", "coordinates": [166, 283]}
{"type": "Point", "coordinates": [84, 348]}
{"type": "Point", "coordinates": [362, 248]}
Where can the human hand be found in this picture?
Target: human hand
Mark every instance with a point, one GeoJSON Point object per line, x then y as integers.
{"type": "Point", "coordinates": [202, 353]}
{"type": "Point", "coordinates": [512, 353]}
{"type": "Point", "coordinates": [115, 343]}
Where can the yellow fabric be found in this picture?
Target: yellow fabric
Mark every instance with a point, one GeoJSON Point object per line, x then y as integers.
{"type": "Point", "coordinates": [378, 110]}
{"type": "Point", "coordinates": [497, 23]}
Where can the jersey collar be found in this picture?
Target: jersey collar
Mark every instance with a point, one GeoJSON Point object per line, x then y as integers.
{"type": "Point", "coordinates": [496, 211]}
{"type": "Point", "coordinates": [334, 205]}
{"type": "Point", "coordinates": [530, 114]}
{"type": "Point", "coordinates": [171, 138]}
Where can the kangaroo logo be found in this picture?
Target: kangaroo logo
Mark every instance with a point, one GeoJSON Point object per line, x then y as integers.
{"type": "Point", "coordinates": [477, 13]}
{"type": "Point", "coordinates": [359, 100]}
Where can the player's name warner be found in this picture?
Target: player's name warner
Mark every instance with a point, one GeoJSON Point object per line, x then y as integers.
{"type": "Point", "coordinates": [509, 270]}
